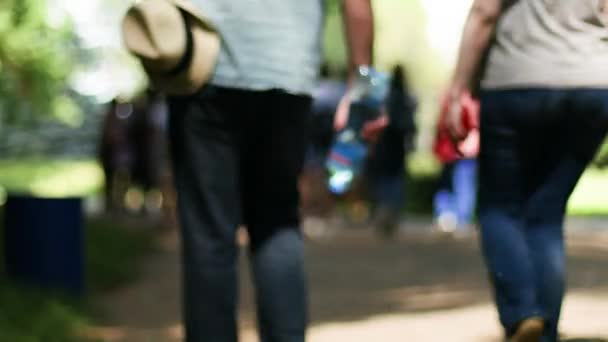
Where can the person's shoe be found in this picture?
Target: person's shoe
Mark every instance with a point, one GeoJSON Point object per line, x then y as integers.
{"type": "Point", "coordinates": [529, 330]}
{"type": "Point", "coordinates": [447, 223]}
{"type": "Point", "coordinates": [386, 221]}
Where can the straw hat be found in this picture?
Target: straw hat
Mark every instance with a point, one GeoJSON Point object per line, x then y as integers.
{"type": "Point", "coordinates": [177, 46]}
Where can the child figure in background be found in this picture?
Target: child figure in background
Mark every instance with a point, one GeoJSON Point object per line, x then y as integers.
{"type": "Point", "coordinates": [386, 167]}
{"type": "Point", "coordinates": [455, 200]}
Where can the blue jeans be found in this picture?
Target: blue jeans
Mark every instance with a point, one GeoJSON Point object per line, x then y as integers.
{"type": "Point", "coordinates": [457, 192]}
{"type": "Point", "coordinates": [236, 157]}
{"type": "Point", "coordinates": [535, 144]}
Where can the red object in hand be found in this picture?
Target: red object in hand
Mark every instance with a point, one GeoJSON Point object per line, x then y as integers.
{"type": "Point", "coordinates": [445, 149]}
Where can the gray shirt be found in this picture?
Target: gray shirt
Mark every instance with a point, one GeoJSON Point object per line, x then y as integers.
{"type": "Point", "coordinates": [267, 44]}
{"type": "Point", "coordinates": [549, 43]}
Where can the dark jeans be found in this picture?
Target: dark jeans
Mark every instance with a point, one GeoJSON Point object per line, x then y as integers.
{"type": "Point", "coordinates": [236, 156]}
{"type": "Point", "coordinates": [535, 144]}
{"type": "Point", "coordinates": [386, 169]}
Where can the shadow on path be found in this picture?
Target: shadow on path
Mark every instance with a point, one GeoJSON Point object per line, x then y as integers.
{"type": "Point", "coordinates": [353, 277]}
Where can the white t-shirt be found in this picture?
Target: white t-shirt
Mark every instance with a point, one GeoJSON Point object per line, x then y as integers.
{"type": "Point", "coordinates": [267, 44]}
{"type": "Point", "coordinates": [549, 43]}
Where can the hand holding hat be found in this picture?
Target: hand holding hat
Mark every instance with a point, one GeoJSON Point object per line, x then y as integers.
{"type": "Point", "coordinates": [177, 46]}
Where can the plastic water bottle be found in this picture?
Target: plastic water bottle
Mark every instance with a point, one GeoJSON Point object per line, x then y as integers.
{"type": "Point", "coordinates": [349, 150]}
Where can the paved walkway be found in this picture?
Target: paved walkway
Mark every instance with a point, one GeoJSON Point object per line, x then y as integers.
{"type": "Point", "coordinates": [418, 287]}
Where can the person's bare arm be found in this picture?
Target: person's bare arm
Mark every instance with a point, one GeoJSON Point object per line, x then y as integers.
{"type": "Point", "coordinates": [477, 34]}
{"type": "Point", "coordinates": [359, 32]}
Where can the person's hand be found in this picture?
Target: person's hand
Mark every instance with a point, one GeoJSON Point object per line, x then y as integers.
{"type": "Point", "coordinates": [453, 118]}
{"type": "Point", "coordinates": [371, 130]}
{"type": "Point", "coordinates": [469, 147]}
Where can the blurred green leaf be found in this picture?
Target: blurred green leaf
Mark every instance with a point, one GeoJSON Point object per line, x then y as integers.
{"type": "Point", "coordinates": [67, 111]}
{"type": "Point", "coordinates": [36, 61]}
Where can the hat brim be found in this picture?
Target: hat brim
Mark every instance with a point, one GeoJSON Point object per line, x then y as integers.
{"type": "Point", "coordinates": [195, 13]}
{"type": "Point", "coordinates": [205, 50]}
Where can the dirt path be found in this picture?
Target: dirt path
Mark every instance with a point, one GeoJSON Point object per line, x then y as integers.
{"type": "Point", "coordinates": [416, 288]}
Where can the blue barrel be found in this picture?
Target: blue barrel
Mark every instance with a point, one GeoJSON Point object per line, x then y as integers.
{"type": "Point", "coordinates": [44, 242]}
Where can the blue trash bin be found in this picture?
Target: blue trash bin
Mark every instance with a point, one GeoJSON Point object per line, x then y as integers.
{"type": "Point", "coordinates": [44, 242]}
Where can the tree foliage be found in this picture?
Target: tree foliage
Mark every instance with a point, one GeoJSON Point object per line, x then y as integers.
{"type": "Point", "coordinates": [36, 60]}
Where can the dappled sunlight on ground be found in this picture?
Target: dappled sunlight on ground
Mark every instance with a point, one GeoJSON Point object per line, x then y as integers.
{"type": "Point", "coordinates": [418, 287]}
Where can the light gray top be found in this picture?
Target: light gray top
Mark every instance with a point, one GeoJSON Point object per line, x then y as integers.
{"type": "Point", "coordinates": [267, 44]}
{"type": "Point", "coordinates": [549, 43]}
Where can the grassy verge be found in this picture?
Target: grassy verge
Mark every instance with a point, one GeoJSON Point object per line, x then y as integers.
{"type": "Point", "coordinates": [50, 178]}
{"type": "Point", "coordinates": [28, 315]}
{"type": "Point", "coordinates": [114, 254]}
{"type": "Point", "coordinates": [591, 195]}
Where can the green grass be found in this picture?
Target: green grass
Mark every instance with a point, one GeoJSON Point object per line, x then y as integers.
{"type": "Point", "coordinates": [591, 194]}
{"type": "Point", "coordinates": [50, 178]}
{"type": "Point", "coordinates": [28, 315]}
{"type": "Point", "coordinates": [114, 254]}
{"type": "Point", "coordinates": [590, 197]}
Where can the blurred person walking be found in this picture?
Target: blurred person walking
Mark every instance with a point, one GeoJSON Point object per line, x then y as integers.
{"type": "Point", "coordinates": [316, 200]}
{"type": "Point", "coordinates": [116, 154]}
{"type": "Point", "coordinates": [147, 134]}
{"type": "Point", "coordinates": [238, 144]}
{"type": "Point", "coordinates": [151, 171]}
{"type": "Point", "coordinates": [544, 113]}
{"type": "Point", "coordinates": [386, 167]}
{"type": "Point", "coordinates": [455, 200]}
